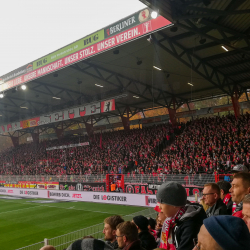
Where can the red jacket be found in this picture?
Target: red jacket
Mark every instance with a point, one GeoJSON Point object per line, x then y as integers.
{"type": "Point", "coordinates": [238, 214]}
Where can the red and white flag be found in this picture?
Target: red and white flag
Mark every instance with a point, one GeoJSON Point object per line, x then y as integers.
{"type": "Point", "coordinates": [108, 105]}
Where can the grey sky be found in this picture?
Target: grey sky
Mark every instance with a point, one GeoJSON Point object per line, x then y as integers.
{"type": "Point", "coordinates": [30, 29]}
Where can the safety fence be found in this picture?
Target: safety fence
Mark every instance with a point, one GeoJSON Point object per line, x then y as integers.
{"type": "Point", "coordinates": [63, 241]}
{"type": "Point", "coordinates": [192, 179]}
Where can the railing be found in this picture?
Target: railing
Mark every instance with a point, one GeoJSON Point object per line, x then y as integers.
{"type": "Point", "coordinates": [63, 241]}
{"type": "Point", "coordinates": [35, 246]}
{"type": "Point", "coordinates": [196, 179]}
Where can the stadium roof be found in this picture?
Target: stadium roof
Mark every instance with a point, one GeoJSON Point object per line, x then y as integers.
{"type": "Point", "coordinates": [187, 53]}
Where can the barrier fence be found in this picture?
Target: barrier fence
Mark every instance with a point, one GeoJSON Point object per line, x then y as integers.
{"type": "Point", "coordinates": [195, 179]}
{"type": "Point", "coordinates": [63, 241]}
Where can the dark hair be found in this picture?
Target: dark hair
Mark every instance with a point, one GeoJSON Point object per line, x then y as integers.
{"type": "Point", "coordinates": [214, 187]}
{"type": "Point", "coordinates": [129, 230]}
{"type": "Point", "coordinates": [245, 178]}
{"type": "Point", "coordinates": [152, 223]}
{"type": "Point", "coordinates": [113, 221]}
{"type": "Point", "coordinates": [224, 185]}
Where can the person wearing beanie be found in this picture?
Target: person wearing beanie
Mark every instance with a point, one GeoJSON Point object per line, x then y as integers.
{"type": "Point", "coordinates": [183, 220]}
{"type": "Point", "coordinates": [223, 232]}
{"type": "Point", "coordinates": [147, 239]}
{"type": "Point", "coordinates": [240, 188]}
{"type": "Point", "coordinates": [89, 244]}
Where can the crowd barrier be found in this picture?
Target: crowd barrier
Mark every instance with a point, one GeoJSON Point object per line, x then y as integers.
{"type": "Point", "coordinates": [192, 179]}
{"type": "Point", "coordinates": [63, 241]}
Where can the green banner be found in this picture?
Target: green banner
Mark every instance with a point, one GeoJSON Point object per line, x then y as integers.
{"type": "Point", "coordinates": [76, 46]}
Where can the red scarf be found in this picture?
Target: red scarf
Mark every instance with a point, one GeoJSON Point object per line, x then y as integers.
{"type": "Point", "coordinates": [167, 242]}
{"type": "Point", "coordinates": [227, 198]}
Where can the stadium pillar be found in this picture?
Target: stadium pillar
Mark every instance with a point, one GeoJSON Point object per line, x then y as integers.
{"type": "Point", "coordinates": [35, 137]}
{"type": "Point", "coordinates": [59, 133]}
{"type": "Point", "coordinates": [15, 141]}
{"type": "Point", "coordinates": [89, 128]}
{"type": "Point", "coordinates": [125, 120]}
{"type": "Point", "coordinates": [172, 113]}
{"type": "Point", "coordinates": [235, 101]}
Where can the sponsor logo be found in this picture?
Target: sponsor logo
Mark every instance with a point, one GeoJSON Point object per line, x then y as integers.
{"type": "Point", "coordinates": [3, 190]}
{"type": "Point", "coordinates": [10, 191]}
{"type": "Point", "coordinates": [79, 187]}
{"type": "Point", "coordinates": [110, 198]}
{"type": "Point", "coordinates": [51, 194]}
{"type": "Point", "coordinates": [143, 15]}
{"type": "Point", "coordinates": [119, 27]}
{"type": "Point", "coordinates": [147, 27]}
{"type": "Point", "coordinates": [77, 196]}
{"type": "Point", "coordinates": [28, 192]}
{"type": "Point", "coordinates": [149, 200]}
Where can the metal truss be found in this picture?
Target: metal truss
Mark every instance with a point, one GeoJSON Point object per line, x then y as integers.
{"type": "Point", "coordinates": [122, 84]}
{"type": "Point", "coordinates": [198, 65]}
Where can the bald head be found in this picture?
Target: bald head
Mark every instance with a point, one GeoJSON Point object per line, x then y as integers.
{"type": "Point", "coordinates": [48, 248]}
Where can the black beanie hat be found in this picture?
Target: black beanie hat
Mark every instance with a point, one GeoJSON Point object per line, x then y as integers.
{"type": "Point", "coordinates": [172, 193]}
{"type": "Point", "coordinates": [141, 222]}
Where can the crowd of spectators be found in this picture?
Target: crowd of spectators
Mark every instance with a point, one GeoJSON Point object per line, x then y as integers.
{"type": "Point", "coordinates": [112, 152]}
{"type": "Point", "coordinates": [181, 225]}
{"type": "Point", "coordinates": [206, 145]}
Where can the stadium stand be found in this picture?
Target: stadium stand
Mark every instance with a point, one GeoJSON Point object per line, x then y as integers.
{"type": "Point", "coordinates": [207, 145]}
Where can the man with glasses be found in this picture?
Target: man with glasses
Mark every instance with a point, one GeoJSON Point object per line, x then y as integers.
{"type": "Point", "coordinates": [127, 236]}
{"type": "Point", "coordinates": [211, 195]}
{"type": "Point", "coordinates": [223, 233]}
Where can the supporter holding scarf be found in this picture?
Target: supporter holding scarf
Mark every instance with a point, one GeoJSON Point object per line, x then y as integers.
{"type": "Point", "coordinates": [183, 220]}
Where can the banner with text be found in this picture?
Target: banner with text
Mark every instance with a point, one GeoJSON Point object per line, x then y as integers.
{"type": "Point", "coordinates": [69, 146]}
{"type": "Point", "coordinates": [67, 114]}
{"type": "Point", "coordinates": [97, 197]}
{"type": "Point", "coordinates": [83, 186]}
{"type": "Point", "coordinates": [128, 29]}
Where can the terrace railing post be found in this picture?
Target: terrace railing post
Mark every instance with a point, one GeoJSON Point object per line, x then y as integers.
{"type": "Point", "coordinates": [46, 242]}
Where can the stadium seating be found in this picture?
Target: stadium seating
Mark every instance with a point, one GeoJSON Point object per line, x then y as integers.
{"type": "Point", "coordinates": [207, 145]}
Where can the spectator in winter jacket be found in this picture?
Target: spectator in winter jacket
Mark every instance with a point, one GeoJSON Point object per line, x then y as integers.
{"type": "Point", "coordinates": [240, 188]}
{"type": "Point", "coordinates": [147, 239]}
{"type": "Point", "coordinates": [127, 236]}
{"type": "Point", "coordinates": [223, 233]}
{"type": "Point", "coordinates": [211, 195]}
{"type": "Point", "coordinates": [246, 210]}
{"type": "Point", "coordinates": [109, 230]}
{"type": "Point", "coordinates": [225, 195]}
{"type": "Point", "coordinates": [183, 220]}
{"type": "Point", "coordinates": [89, 244]}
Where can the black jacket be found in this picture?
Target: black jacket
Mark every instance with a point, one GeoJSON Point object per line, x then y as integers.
{"type": "Point", "coordinates": [230, 207]}
{"type": "Point", "coordinates": [114, 244]}
{"type": "Point", "coordinates": [188, 227]}
{"type": "Point", "coordinates": [135, 245]}
{"type": "Point", "coordinates": [219, 208]}
{"type": "Point", "coordinates": [147, 240]}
